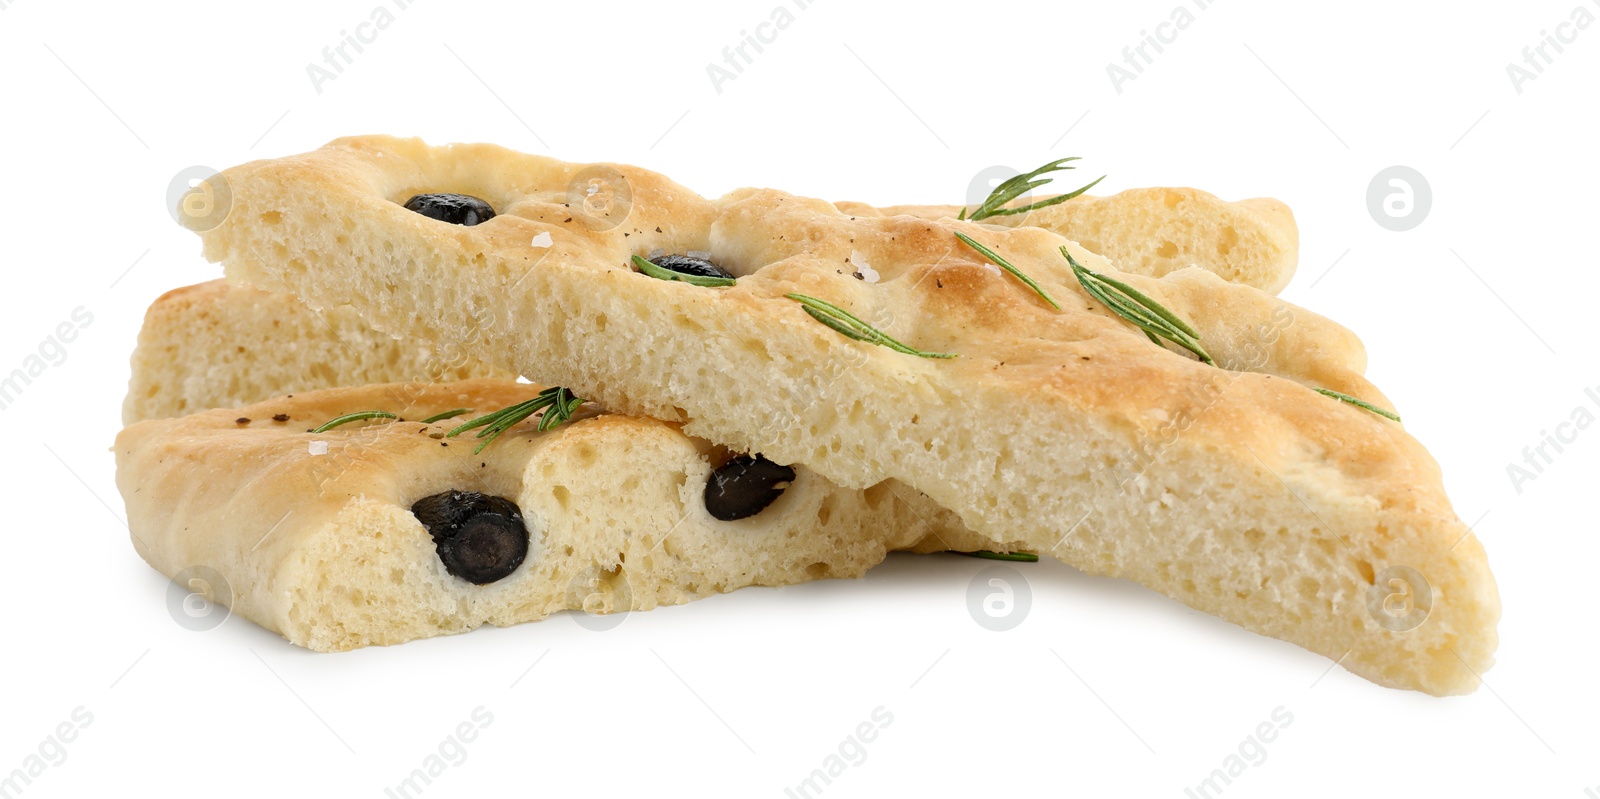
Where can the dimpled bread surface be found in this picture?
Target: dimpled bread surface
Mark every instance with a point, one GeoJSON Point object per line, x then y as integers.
{"type": "Point", "coordinates": [1155, 231]}
{"type": "Point", "coordinates": [324, 549]}
{"type": "Point", "coordinates": [211, 346]}
{"type": "Point", "coordinates": [1235, 489]}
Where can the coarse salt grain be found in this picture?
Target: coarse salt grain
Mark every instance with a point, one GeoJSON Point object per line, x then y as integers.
{"type": "Point", "coordinates": [543, 239]}
{"type": "Point", "coordinates": [864, 270]}
{"type": "Point", "coordinates": [317, 448]}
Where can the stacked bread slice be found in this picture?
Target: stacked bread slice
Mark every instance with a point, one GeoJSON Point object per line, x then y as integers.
{"type": "Point", "coordinates": [216, 346]}
{"type": "Point", "coordinates": [1155, 231]}
{"type": "Point", "coordinates": [314, 536]}
{"type": "Point", "coordinates": [1168, 426]}
{"type": "Point", "coordinates": [324, 539]}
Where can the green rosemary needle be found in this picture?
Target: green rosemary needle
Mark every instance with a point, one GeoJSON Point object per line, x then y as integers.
{"type": "Point", "coordinates": [658, 273]}
{"type": "Point", "coordinates": [354, 417]}
{"type": "Point", "coordinates": [1363, 404]}
{"type": "Point", "coordinates": [1139, 308]}
{"type": "Point", "coordinates": [1006, 265]}
{"type": "Point", "coordinates": [1020, 185]}
{"type": "Point", "coordinates": [439, 417]}
{"type": "Point", "coordinates": [851, 327]}
{"type": "Point", "coordinates": [560, 402]}
{"type": "Point", "coordinates": [1016, 557]}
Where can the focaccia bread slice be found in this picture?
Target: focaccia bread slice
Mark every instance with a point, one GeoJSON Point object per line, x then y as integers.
{"type": "Point", "coordinates": [1155, 231]}
{"type": "Point", "coordinates": [212, 346]}
{"type": "Point", "coordinates": [319, 536]}
{"type": "Point", "coordinates": [1235, 488]}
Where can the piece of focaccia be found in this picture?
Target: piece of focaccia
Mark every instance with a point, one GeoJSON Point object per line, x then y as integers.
{"type": "Point", "coordinates": [1155, 231]}
{"type": "Point", "coordinates": [378, 532]}
{"type": "Point", "coordinates": [211, 346]}
{"type": "Point", "coordinates": [1236, 488]}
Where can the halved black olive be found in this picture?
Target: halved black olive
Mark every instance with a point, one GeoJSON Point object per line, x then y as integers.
{"type": "Point", "coordinates": [479, 538]}
{"type": "Point", "coordinates": [690, 265]}
{"type": "Point", "coordinates": [745, 486]}
{"type": "Point", "coordinates": [457, 209]}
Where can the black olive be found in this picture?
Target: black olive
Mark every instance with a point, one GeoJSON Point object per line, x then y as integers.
{"type": "Point", "coordinates": [486, 549]}
{"type": "Point", "coordinates": [479, 538]}
{"type": "Point", "coordinates": [690, 265]}
{"type": "Point", "coordinates": [457, 209]}
{"type": "Point", "coordinates": [745, 486]}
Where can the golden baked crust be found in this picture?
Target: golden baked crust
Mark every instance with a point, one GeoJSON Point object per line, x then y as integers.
{"type": "Point", "coordinates": [214, 346]}
{"type": "Point", "coordinates": [323, 548]}
{"type": "Point", "coordinates": [1237, 490]}
{"type": "Point", "coordinates": [1155, 231]}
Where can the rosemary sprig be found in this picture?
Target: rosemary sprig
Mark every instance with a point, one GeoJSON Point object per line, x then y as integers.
{"type": "Point", "coordinates": [851, 327]}
{"type": "Point", "coordinates": [1362, 404]}
{"type": "Point", "coordinates": [1006, 265]}
{"type": "Point", "coordinates": [1137, 307]}
{"type": "Point", "coordinates": [439, 417]}
{"type": "Point", "coordinates": [354, 417]}
{"type": "Point", "coordinates": [1015, 557]}
{"type": "Point", "coordinates": [560, 402]}
{"type": "Point", "coordinates": [657, 272]}
{"type": "Point", "coordinates": [1020, 185]}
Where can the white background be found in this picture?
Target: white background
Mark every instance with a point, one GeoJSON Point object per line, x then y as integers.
{"type": "Point", "coordinates": [1479, 323]}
